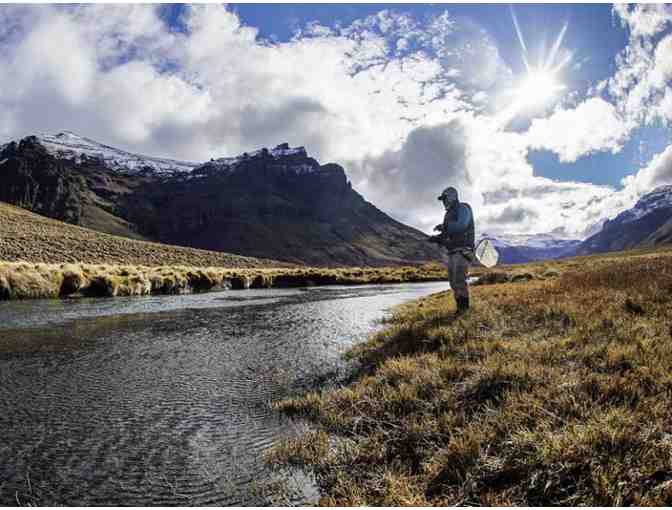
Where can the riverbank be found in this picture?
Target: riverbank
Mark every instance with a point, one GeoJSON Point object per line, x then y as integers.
{"type": "Point", "coordinates": [554, 391]}
{"type": "Point", "coordinates": [24, 280]}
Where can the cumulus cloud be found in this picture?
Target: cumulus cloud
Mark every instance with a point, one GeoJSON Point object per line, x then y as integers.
{"type": "Point", "coordinates": [657, 173]}
{"type": "Point", "coordinates": [409, 180]}
{"type": "Point", "coordinates": [122, 75]}
{"type": "Point", "coordinates": [642, 83]}
{"type": "Point", "coordinates": [490, 168]}
{"type": "Point", "coordinates": [594, 125]}
{"type": "Point", "coordinates": [568, 209]}
{"type": "Point", "coordinates": [644, 19]}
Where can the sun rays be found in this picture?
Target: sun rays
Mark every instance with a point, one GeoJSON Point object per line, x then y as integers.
{"type": "Point", "coordinates": [541, 83]}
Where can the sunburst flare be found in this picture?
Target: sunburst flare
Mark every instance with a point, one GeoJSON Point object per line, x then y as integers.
{"type": "Point", "coordinates": [541, 83]}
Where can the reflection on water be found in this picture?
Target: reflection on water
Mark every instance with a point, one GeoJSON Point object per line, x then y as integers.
{"type": "Point", "coordinates": [165, 400]}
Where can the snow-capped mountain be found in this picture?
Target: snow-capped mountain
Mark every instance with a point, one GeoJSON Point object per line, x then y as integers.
{"type": "Point", "coordinates": [71, 146]}
{"type": "Point", "coordinates": [518, 248]}
{"type": "Point", "coordinates": [648, 223]}
{"type": "Point", "coordinates": [78, 149]}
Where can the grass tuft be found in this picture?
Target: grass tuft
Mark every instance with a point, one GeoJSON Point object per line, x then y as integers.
{"type": "Point", "coordinates": [20, 280]}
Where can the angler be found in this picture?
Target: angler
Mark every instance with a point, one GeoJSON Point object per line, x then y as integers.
{"type": "Point", "coordinates": [457, 235]}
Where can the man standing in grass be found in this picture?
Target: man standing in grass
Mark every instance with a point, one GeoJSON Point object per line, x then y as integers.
{"type": "Point", "coordinates": [456, 233]}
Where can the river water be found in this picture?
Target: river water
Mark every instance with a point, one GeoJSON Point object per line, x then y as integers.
{"type": "Point", "coordinates": [166, 400]}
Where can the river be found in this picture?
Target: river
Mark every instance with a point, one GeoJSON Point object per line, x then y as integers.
{"type": "Point", "coordinates": [166, 400]}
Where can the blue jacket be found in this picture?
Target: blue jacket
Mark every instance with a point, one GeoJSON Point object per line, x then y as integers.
{"type": "Point", "coordinates": [458, 230]}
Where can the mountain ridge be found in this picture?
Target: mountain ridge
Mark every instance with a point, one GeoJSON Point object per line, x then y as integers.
{"type": "Point", "coordinates": [648, 223]}
{"type": "Point", "coordinates": [278, 203]}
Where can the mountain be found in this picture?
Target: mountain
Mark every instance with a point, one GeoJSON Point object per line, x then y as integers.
{"type": "Point", "coordinates": [280, 203]}
{"type": "Point", "coordinates": [516, 249]}
{"type": "Point", "coordinates": [647, 224]}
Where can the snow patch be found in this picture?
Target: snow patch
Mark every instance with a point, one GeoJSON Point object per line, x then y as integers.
{"type": "Point", "coordinates": [70, 146]}
{"type": "Point", "coordinates": [280, 152]}
{"type": "Point", "coordinates": [538, 241]}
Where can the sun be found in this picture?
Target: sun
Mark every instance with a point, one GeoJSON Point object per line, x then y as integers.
{"type": "Point", "coordinates": [541, 83]}
{"type": "Point", "coordinates": [537, 88]}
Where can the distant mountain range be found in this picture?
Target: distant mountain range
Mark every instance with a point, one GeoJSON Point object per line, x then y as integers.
{"type": "Point", "coordinates": [278, 203]}
{"type": "Point", "coordinates": [517, 249]}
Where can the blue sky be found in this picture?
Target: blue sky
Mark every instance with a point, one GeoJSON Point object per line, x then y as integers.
{"type": "Point", "coordinates": [541, 23]}
{"type": "Point", "coordinates": [595, 50]}
{"type": "Point", "coordinates": [554, 135]}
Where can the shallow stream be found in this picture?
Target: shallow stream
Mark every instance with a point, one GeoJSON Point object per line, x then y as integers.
{"type": "Point", "coordinates": [165, 400]}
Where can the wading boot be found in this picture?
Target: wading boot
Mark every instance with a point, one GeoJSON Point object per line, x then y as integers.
{"type": "Point", "coordinates": [462, 305]}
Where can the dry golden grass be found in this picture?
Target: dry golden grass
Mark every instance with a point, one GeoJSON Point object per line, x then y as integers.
{"type": "Point", "coordinates": [29, 237]}
{"type": "Point", "coordinates": [24, 280]}
{"type": "Point", "coordinates": [551, 390]}
{"type": "Point", "coordinates": [45, 258]}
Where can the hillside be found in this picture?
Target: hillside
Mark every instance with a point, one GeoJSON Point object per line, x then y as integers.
{"type": "Point", "coordinates": [662, 235]}
{"type": "Point", "coordinates": [25, 236]}
{"type": "Point", "coordinates": [553, 390]}
{"type": "Point", "coordinates": [279, 203]}
{"type": "Point", "coordinates": [647, 224]}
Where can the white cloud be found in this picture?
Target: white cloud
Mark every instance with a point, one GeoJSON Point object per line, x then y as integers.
{"type": "Point", "coordinates": [644, 19]}
{"type": "Point", "coordinates": [70, 71]}
{"type": "Point", "coordinates": [491, 171]}
{"type": "Point", "coordinates": [657, 173]}
{"type": "Point", "coordinates": [642, 82]}
{"type": "Point", "coordinates": [124, 77]}
{"type": "Point", "coordinates": [408, 181]}
{"type": "Point", "coordinates": [594, 125]}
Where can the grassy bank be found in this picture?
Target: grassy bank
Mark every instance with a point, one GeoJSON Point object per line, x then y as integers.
{"type": "Point", "coordinates": [553, 389]}
{"type": "Point", "coordinates": [22, 280]}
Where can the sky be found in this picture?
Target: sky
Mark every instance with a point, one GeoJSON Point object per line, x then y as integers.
{"type": "Point", "coordinates": [547, 118]}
